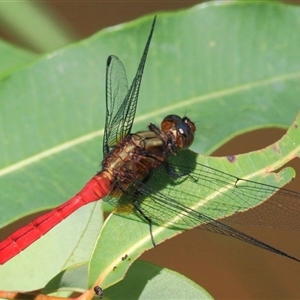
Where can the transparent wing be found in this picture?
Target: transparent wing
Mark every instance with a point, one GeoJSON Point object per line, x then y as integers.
{"type": "Point", "coordinates": [197, 197]}
{"type": "Point", "coordinates": [121, 103]}
{"type": "Point", "coordinates": [218, 195]}
{"type": "Point", "coordinates": [116, 91]}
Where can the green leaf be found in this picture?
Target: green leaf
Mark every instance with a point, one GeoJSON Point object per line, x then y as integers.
{"type": "Point", "coordinates": [58, 115]}
{"type": "Point", "coordinates": [230, 66]}
{"type": "Point", "coordinates": [143, 281]}
{"type": "Point", "coordinates": [66, 244]}
{"type": "Point", "coordinates": [11, 57]}
{"type": "Point", "coordinates": [205, 190]}
{"type": "Point", "coordinates": [72, 279]}
{"type": "Point", "coordinates": [147, 281]}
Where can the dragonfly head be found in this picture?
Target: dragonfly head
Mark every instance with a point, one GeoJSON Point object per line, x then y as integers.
{"type": "Point", "coordinates": [181, 128]}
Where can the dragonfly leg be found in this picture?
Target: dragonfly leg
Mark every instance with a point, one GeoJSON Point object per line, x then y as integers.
{"type": "Point", "coordinates": [137, 207]}
{"type": "Point", "coordinates": [169, 140]}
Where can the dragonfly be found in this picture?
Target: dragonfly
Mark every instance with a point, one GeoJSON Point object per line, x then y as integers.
{"type": "Point", "coordinates": [134, 164]}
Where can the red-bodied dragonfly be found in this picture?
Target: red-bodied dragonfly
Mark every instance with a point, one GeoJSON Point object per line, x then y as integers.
{"type": "Point", "coordinates": [128, 164]}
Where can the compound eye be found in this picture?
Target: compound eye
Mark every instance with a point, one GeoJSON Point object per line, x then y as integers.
{"type": "Point", "coordinates": [185, 133]}
{"type": "Point", "coordinates": [182, 130]}
{"type": "Point", "coordinates": [169, 123]}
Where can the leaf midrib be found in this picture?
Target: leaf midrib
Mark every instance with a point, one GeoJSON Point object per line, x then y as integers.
{"type": "Point", "coordinates": [95, 134]}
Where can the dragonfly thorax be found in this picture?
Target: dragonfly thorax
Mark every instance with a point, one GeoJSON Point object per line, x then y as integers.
{"type": "Point", "coordinates": [138, 154]}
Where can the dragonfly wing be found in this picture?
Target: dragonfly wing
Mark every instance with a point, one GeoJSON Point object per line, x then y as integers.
{"type": "Point", "coordinates": [215, 194]}
{"type": "Point", "coordinates": [121, 103]}
{"type": "Point", "coordinates": [220, 195]}
{"type": "Point", "coordinates": [189, 218]}
{"type": "Point", "coordinates": [172, 207]}
{"type": "Point", "coordinates": [116, 91]}
{"type": "Point", "coordinates": [243, 201]}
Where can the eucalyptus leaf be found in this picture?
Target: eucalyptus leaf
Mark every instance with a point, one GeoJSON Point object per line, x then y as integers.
{"type": "Point", "coordinates": [12, 57]}
{"type": "Point", "coordinates": [147, 281]}
{"type": "Point", "coordinates": [203, 192]}
{"type": "Point", "coordinates": [230, 66]}
{"type": "Point", "coordinates": [144, 281]}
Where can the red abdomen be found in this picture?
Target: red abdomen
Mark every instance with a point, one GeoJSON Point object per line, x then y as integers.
{"type": "Point", "coordinates": [97, 188]}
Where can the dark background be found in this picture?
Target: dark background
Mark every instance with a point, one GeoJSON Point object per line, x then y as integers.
{"type": "Point", "coordinates": [226, 268]}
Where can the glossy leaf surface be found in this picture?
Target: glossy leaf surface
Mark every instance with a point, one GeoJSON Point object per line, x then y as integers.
{"type": "Point", "coordinates": [230, 67]}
